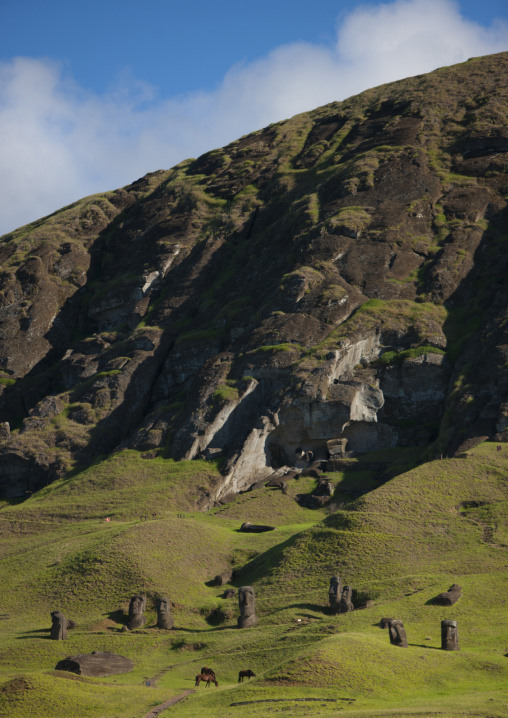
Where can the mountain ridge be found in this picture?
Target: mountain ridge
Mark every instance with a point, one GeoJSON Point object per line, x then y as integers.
{"type": "Point", "coordinates": [339, 275]}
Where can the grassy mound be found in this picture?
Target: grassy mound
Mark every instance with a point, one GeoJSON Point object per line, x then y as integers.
{"type": "Point", "coordinates": [399, 544]}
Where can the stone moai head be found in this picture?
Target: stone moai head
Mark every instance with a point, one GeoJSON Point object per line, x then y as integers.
{"type": "Point", "coordinates": [136, 607]}
{"type": "Point", "coordinates": [334, 593]}
{"type": "Point", "coordinates": [449, 636]}
{"type": "Point", "coordinates": [58, 626]}
{"type": "Point", "coordinates": [164, 618]}
{"type": "Point", "coordinates": [247, 604]}
{"type": "Point", "coordinates": [346, 603]}
{"type": "Point", "coordinates": [397, 633]}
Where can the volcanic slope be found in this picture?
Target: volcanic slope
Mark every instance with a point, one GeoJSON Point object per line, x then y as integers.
{"type": "Point", "coordinates": [167, 346]}
{"type": "Point", "coordinates": [339, 275]}
{"type": "Point", "coordinates": [398, 546]}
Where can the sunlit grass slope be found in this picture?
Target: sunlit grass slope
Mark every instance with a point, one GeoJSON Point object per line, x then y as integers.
{"type": "Point", "coordinates": [400, 544]}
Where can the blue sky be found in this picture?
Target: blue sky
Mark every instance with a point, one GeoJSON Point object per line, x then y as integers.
{"type": "Point", "coordinates": [95, 94]}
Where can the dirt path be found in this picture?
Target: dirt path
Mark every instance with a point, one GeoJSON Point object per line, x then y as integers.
{"type": "Point", "coordinates": [154, 712]}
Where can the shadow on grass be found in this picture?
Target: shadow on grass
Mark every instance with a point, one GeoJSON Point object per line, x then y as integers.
{"type": "Point", "coordinates": [206, 630]}
{"type": "Point", "coordinates": [118, 616]}
{"type": "Point", "coordinates": [325, 610]}
{"type": "Point", "coordinates": [422, 645]}
{"type": "Point", "coordinates": [30, 634]}
{"type": "Point", "coordinates": [263, 564]}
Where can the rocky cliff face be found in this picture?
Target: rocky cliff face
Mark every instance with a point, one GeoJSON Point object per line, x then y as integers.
{"type": "Point", "coordinates": [340, 275]}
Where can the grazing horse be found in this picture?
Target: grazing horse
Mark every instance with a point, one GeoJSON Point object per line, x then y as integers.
{"type": "Point", "coordinates": [246, 674]}
{"type": "Point", "coordinates": [207, 678]}
{"type": "Point", "coordinates": [207, 672]}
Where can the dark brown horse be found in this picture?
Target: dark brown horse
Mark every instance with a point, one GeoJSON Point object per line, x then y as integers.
{"type": "Point", "coordinates": [246, 674]}
{"type": "Point", "coordinates": [207, 678]}
{"type": "Point", "coordinates": [207, 672]}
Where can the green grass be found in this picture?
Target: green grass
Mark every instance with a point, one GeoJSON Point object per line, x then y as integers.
{"type": "Point", "coordinates": [401, 543]}
{"type": "Point", "coordinates": [392, 357]}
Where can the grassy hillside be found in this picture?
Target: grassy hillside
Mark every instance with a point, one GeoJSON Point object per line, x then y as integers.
{"type": "Point", "coordinates": [400, 544]}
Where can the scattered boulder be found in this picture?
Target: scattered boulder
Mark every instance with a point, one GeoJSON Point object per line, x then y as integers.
{"type": "Point", "coordinates": [279, 483]}
{"type": "Point", "coordinates": [229, 593]}
{"type": "Point", "coordinates": [336, 448]}
{"type": "Point", "coordinates": [97, 664]}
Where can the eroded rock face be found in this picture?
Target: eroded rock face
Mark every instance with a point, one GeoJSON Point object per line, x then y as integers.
{"type": "Point", "coordinates": [236, 307]}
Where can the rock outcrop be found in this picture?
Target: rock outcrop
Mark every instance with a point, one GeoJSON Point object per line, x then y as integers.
{"type": "Point", "coordinates": [333, 283]}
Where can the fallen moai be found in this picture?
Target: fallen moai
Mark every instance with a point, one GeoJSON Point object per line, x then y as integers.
{"type": "Point", "coordinates": [96, 664]}
{"type": "Point", "coordinates": [222, 578]}
{"type": "Point", "coordinates": [247, 527]}
{"type": "Point", "coordinates": [448, 598]}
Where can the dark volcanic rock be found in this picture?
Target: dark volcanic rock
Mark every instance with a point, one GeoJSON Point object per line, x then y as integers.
{"type": "Point", "coordinates": [335, 280]}
{"type": "Point", "coordinates": [97, 664]}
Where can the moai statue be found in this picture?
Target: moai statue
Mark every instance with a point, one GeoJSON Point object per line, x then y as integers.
{"type": "Point", "coordinates": [136, 608]}
{"type": "Point", "coordinates": [346, 604]}
{"type": "Point", "coordinates": [334, 593]}
{"type": "Point", "coordinates": [448, 598]}
{"type": "Point", "coordinates": [449, 636]}
{"type": "Point", "coordinates": [397, 633]}
{"type": "Point", "coordinates": [164, 618]}
{"type": "Point", "coordinates": [246, 601]}
{"type": "Point", "coordinates": [58, 626]}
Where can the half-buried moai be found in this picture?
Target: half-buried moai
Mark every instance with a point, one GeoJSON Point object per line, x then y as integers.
{"type": "Point", "coordinates": [246, 601]}
{"type": "Point", "coordinates": [58, 626]}
{"type": "Point", "coordinates": [449, 636]}
{"type": "Point", "coordinates": [346, 603]}
{"type": "Point", "coordinates": [136, 608]}
{"type": "Point", "coordinates": [397, 633]}
{"type": "Point", "coordinates": [164, 617]}
{"type": "Point", "coordinates": [335, 593]}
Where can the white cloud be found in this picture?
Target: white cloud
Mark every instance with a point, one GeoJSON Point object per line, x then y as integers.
{"type": "Point", "coordinates": [58, 143]}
